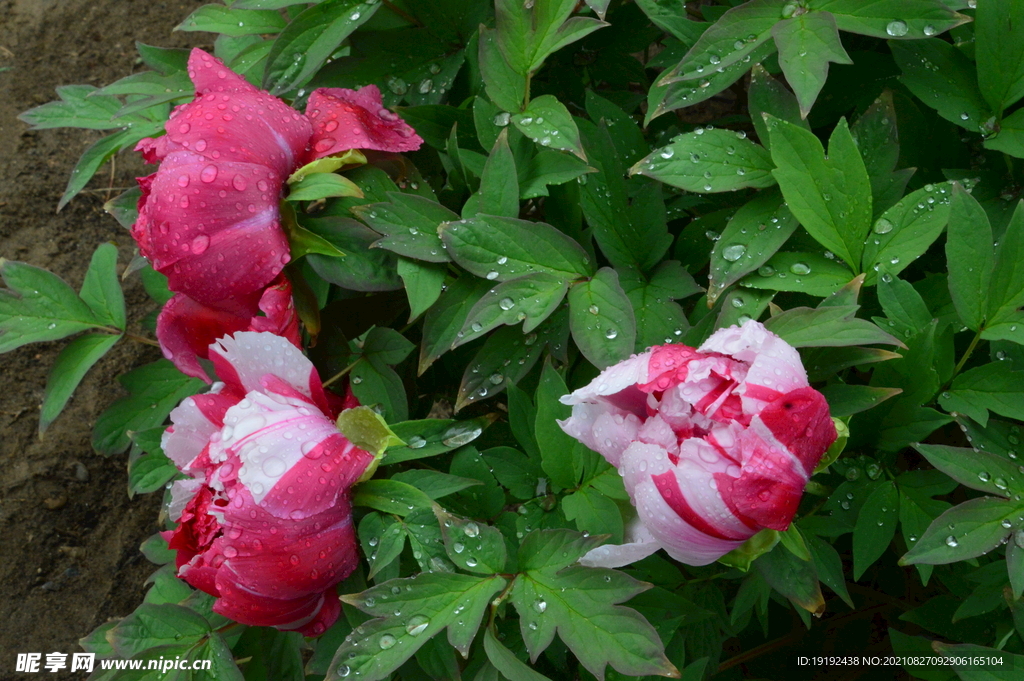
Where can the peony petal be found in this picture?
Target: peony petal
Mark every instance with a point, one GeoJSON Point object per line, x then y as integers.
{"type": "Point", "coordinates": [182, 492]}
{"type": "Point", "coordinates": [186, 329]}
{"type": "Point", "coordinates": [246, 357]}
{"type": "Point", "coordinates": [627, 374]}
{"type": "Point", "coordinates": [640, 543]}
{"type": "Point", "coordinates": [193, 425]}
{"type": "Point", "coordinates": [768, 490]}
{"type": "Point", "coordinates": [603, 428]}
{"type": "Point", "coordinates": [230, 120]}
{"type": "Point", "coordinates": [800, 422]}
{"type": "Point", "coordinates": [356, 119]}
{"type": "Point", "coordinates": [213, 229]}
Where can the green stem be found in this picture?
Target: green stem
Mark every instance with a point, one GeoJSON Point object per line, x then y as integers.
{"type": "Point", "coordinates": [132, 336]}
{"type": "Point", "coordinates": [967, 354]}
{"type": "Point", "coordinates": [342, 373]}
{"type": "Point", "coordinates": [526, 94]}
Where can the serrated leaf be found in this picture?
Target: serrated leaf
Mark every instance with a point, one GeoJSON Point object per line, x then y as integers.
{"type": "Point", "coordinates": [154, 389]}
{"type": "Point", "coordinates": [709, 161]}
{"type": "Point", "coordinates": [807, 43]}
{"type": "Point", "coordinates": [944, 79]}
{"type": "Point", "coordinates": [601, 319]}
{"type": "Point", "coordinates": [498, 248]}
{"type": "Point", "coordinates": [905, 231]}
{"type": "Point", "coordinates": [101, 288]}
{"type": "Point", "coordinates": [76, 109]}
{"type": "Point", "coordinates": [73, 362]}
{"type": "Point", "coordinates": [548, 123]}
{"type": "Point", "coordinates": [579, 603]}
{"type": "Point", "coordinates": [505, 661]}
{"type": "Point", "coordinates": [232, 22]}
{"type": "Point", "coordinates": [757, 230]}
{"type": "Point", "coordinates": [529, 299]}
{"type": "Point", "coordinates": [409, 224]}
{"type": "Point", "coordinates": [876, 526]}
{"type": "Point", "coordinates": [966, 531]}
{"type": "Point", "coordinates": [37, 306]}
{"type": "Point", "coordinates": [826, 327]}
{"type": "Point", "coordinates": [831, 197]}
{"type": "Point", "coordinates": [428, 603]}
{"type": "Point", "coordinates": [312, 36]}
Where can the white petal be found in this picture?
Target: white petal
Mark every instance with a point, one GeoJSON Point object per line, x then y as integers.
{"type": "Point", "coordinates": [182, 492]}
{"type": "Point", "coordinates": [640, 543]}
{"type": "Point", "coordinates": [254, 355]}
{"type": "Point", "coordinates": [615, 378]}
{"type": "Point", "coordinates": [190, 432]}
{"type": "Point", "coordinates": [602, 427]}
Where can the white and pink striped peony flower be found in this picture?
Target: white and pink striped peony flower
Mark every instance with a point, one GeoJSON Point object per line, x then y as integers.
{"type": "Point", "coordinates": [265, 520]}
{"type": "Point", "coordinates": [714, 444]}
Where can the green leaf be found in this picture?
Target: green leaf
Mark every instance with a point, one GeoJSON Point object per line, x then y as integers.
{"type": "Point", "coordinates": [428, 603]}
{"type": "Point", "coordinates": [966, 531]}
{"type": "Point", "coordinates": [594, 512]}
{"type": "Point", "coordinates": [409, 224]}
{"type": "Point", "coordinates": [969, 257]}
{"type": "Point", "coordinates": [845, 400]}
{"type": "Point", "coordinates": [555, 549]}
{"type": "Point", "coordinates": [905, 231]}
{"type": "Point", "coordinates": [504, 85]}
{"type": "Point", "coordinates": [382, 539]}
{"type": "Point", "coordinates": [1010, 138]}
{"type": "Point", "coordinates": [447, 317]}
{"type": "Point", "coordinates": [165, 60]}
{"type": "Point", "coordinates": [737, 305]}
{"type": "Point", "coordinates": [514, 470]}
{"type": "Point", "coordinates": [367, 430]}
{"type": "Point", "coordinates": [730, 41]}
{"type": "Point", "coordinates": [579, 604]}
{"type": "Point", "coordinates": [876, 526]}
{"type": "Point", "coordinates": [434, 483]}
{"type": "Point", "coordinates": [630, 234]}
{"type": "Point", "coordinates": [363, 268]}
{"type": "Point", "coordinates": [752, 236]}
{"type": "Point", "coordinates": [498, 248]}
{"type": "Point", "coordinates": [507, 356]}
{"type": "Point", "coordinates": [907, 313]}
{"type": "Point", "coordinates": [154, 389]}
{"type": "Point", "coordinates": [471, 546]}
{"type": "Point", "coordinates": [829, 567]}
{"type": "Point", "coordinates": [499, 185]}
{"type": "Point", "coordinates": [549, 167]}
{"type": "Point", "coordinates": [944, 79]}
{"type": "Point", "coordinates": [795, 579]}
{"type": "Point", "coordinates": [999, 52]}
{"type": "Point", "coordinates": [529, 299]}
{"type": "Point", "coordinates": [672, 18]}
{"type": "Point", "coordinates": [769, 96]}
{"type": "Point", "coordinates": [73, 362]}
{"type": "Point", "coordinates": [76, 109]}
{"type": "Point", "coordinates": [375, 383]}
{"type": "Point", "coordinates": [548, 123]}
{"type": "Point", "coordinates": [807, 43]}
{"type": "Point", "coordinates": [831, 197]}
{"type": "Point", "coordinates": [556, 447]}
{"type": "Point", "coordinates": [1007, 289]}
{"type": "Point", "coordinates": [312, 36]}
{"type": "Point", "coordinates": [988, 387]}
{"type": "Point", "coordinates": [877, 139]}
{"type": "Point", "coordinates": [274, 655]}
{"type": "Point", "coordinates": [826, 327]}
{"type": "Point", "coordinates": [423, 284]}
{"type": "Point", "coordinates": [808, 273]}
{"type": "Point", "coordinates": [430, 437]}
{"type": "Point", "coordinates": [101, 288]}
{"type": "Point", "coordinates": [155, 625]}
{"type": "Point", "coordinates": [149, 473]}
{"type": "Point", "coordinates": [527, 34]}
{"type": "Point", "coordinates": [233, 22]}
{"type": "Point", "coordinates": [658, 318]}
{"type": "Point", "coordinates": [321, 186]}
{"type": "Point", "coordinates": [102, 151]}
{"type": "Point", "coordinates": [390, 496]}
{"type": "Point", "coordinates": [505, 661]}
{"type": "Point", "coordinates": [327, 165]}
{"type": "Point", "coordinates": [980, 470]}
{"type": "Point", "coordinates": [916, 18]}
{"type": "Point", "coordinates": [601, 319]}
{"type": "Point", "coordinates": [709, 161]}
{"type": "Point", "coordinates": [967, 669]}
{"type": "Point", "coordinates": [38, 306]}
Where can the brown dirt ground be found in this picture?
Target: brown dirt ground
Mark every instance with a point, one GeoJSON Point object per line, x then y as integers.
{"type": "Point", "coordinates": [65, 570]}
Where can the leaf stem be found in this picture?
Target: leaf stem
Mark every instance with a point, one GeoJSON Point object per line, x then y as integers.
{"type": "Point", "coordinates": [402, 13]}
{"type": "Point", "coordinates": [126, 334]}
{"type": "Point", "coordinates": [967, 353]}
{"type": "Point", "coordinates": [342, 373]}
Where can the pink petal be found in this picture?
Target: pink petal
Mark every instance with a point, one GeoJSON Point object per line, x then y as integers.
{"type": "Point", "coordinates": [800, 422]}
{"type": "Point", "coordinates": [356, 119]}
{"type": "Point", "coordinates": [768, 490]}
{"type": "Point", "coordinates": [186, 329]}
{"type": "Point", "coordinates": [194, 422]}
{"type": "Point", "coordinates": [230, 120]}
{"type": "Point", "coordinates": [212, 228]}
{"type": "Point", "coordinates": [617, 378]}
{"type": "Point", "coordinates": [603, 428]}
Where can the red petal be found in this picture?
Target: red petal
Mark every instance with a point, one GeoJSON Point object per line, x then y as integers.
{"type": "Point", "coordinates": [800, 421]}
{"type": "Point", "coordinates": [185, 330]}
{"type": "Point", "coordinates": [356, 119]}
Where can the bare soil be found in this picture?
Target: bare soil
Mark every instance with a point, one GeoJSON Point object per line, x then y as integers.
{"type": "Point", "coordinates": [69, 534]}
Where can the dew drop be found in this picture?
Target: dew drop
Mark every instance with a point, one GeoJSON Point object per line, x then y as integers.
{"type": "Point", "coordinates": [734, 252]}
{"type": "Point", "coordinates": [897, 28]}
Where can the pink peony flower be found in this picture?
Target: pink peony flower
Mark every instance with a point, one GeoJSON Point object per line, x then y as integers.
{"type": "Point", "coordinates": [714, 444]}
{"type": "Point", "coordinates": [265, 521]}
{"type": "Point", "coordinates": [209, 218]}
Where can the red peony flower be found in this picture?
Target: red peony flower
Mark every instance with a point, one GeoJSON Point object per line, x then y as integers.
{"type": "Point", "coordinates": [265, 521]}
{"type": "Point", "coordinates": [209, 218]}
